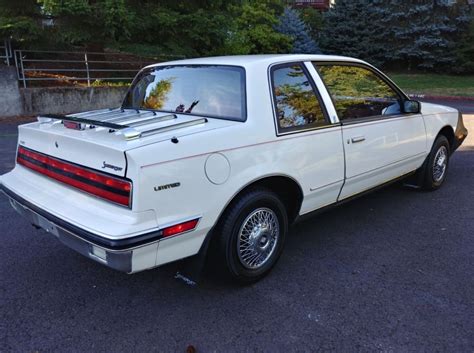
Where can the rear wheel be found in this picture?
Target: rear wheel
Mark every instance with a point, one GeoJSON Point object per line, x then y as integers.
{"type": "Point", "coordinates": [437, 164]}
{"type": "Point", "coordinates": [251, 234]}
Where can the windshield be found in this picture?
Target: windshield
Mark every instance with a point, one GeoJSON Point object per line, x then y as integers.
{"type": "Point", "coordinates": [211, 91]}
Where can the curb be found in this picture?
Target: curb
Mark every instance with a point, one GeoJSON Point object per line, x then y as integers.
{"type": "Point", "coordinates": [447, 98]}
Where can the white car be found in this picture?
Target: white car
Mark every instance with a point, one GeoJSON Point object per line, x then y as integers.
{"type": "Point", "coordinates": [226, 151]}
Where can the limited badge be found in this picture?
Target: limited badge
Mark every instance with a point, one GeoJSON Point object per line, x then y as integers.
{"type": "Point", "coordinates": [167, 186]}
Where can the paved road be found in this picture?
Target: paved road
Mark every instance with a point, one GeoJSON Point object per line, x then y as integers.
{"type": "Point", "coordinates": [389, 272]}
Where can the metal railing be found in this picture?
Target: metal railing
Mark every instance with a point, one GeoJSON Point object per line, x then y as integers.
{"type": "Point", "coordinates": [6, 54]}
{"type": "Point", "coordinates": [78, 68]}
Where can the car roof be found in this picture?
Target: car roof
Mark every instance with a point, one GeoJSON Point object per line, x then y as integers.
{"type": "Point", "coordinates": [252, 60]}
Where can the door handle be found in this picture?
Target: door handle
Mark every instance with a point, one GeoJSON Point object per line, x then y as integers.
{"type": "Point", "coordinates": [358, 139]}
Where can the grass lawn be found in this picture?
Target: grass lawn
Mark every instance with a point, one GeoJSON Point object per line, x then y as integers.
{"type": "Point", "coordinates": [434, 84]}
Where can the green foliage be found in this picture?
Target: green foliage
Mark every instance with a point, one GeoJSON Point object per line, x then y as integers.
{"type": "Point", "coordinates": [465, 47]}
{"type": "Point", "coordinates": [292, 25]}
{"type": "Point", "coordinates": [396, 33]}
{"type": "Point", "coordinates": [422, 35]}
{"type": "Point", "coordinates": [19, 20]}
{"type": "Point", "coordinates": [82, 22]}
{"type": "Point", "coordinates": [21, 28]}
{"type": "Point", "coordinates": [353, 28]}
{"type": "Point", "coordinates": [100, 83]}
{"type": "Point", "coordinates": [253, 32]}
{"type": "Point", "coordinates": [314, 21]}
{"type": "Point", "coordinates": [186, 31]}
{"type": "Point", "coordinates": [180, 27]}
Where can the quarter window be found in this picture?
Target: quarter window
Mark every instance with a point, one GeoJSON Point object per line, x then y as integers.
{"type": "Point", "coordinates": [358, 92]}
{"type": "Point", "coordinates": [297, 105]}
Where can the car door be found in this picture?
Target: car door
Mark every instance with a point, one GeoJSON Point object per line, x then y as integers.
{"type": "Point", "coordinates": [381, 142]}
{"type": "Point", "coordinates": [310, 145]}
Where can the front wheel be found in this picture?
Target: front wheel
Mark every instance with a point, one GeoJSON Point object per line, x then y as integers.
{"type": "Point", "coordinates": [437, 164]}
{"type": "Point", "coordinates": [251, 234]}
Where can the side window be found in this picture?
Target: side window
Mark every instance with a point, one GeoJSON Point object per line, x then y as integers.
{"type": "Point", "coordinates": [297, 105]}
{"type": "Point", "coordinates": [358, 92]}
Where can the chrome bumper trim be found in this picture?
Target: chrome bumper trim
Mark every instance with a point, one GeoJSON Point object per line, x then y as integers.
{"type": "Point", "coordinates": [118, 259]}
{"type": "Point", "coordinates": [109, 244]}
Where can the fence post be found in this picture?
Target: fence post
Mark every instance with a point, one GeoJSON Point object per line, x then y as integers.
{"type": "Point", "coordinates": [16, 65]}
{"type": "Point", "coordinates": [7, 51]}
{"type": "Point", "coordinates": [87, 70]}
{"type": "Point", "coordinates": [22, 69]}
{"type": "Point", "coordinates": [10, 48]}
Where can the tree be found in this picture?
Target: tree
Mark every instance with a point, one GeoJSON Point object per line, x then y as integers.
{"type": "Point", "coordinates": [422, 36]}
{"type": "Point", "coordinates": [292, 25]}
{"type": "Point", "coordinates": [314, 21]}
{"type": "Point", "coordinates": [91, 23]}
{"type": "Point", "coordinates": [20, 20]}
{"type": "Point", "coordinates": [353, 28]}
{"type": "Point", "coordinates": [190, 28]}
{"type": "Point", "coordinates": [397, 33]}
{"type": "Point", "coordinates": [465, 43]}
{"type": "Point", "coordinates": [253, 32]}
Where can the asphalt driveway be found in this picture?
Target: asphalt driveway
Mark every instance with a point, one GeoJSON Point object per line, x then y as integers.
{"type": "Point", "coordinates": [389, 272]}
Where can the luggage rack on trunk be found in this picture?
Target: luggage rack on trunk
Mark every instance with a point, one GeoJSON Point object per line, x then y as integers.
{"type": "Point", "coordinates": [130, 123]}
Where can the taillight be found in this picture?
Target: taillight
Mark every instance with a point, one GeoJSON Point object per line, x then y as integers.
{"type": "Point", "coordinates": [180, 228]}
{"type": "Point", "coordinates": [99, 184]}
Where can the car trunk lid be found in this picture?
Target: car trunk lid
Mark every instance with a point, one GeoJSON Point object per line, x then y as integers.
{"type": "Point", "coordinates": [99, 139]}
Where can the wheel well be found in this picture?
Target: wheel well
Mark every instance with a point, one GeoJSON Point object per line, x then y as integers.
{"type": "Point", "coordinates": [287, 190]}
{"type": "Point", "coordinates": [448, 132]}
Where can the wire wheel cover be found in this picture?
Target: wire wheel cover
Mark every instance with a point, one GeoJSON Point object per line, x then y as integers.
{"type": "Point", "coordinates": [258, 237]}
{"type": "Point", "coordinates": [440, 163]}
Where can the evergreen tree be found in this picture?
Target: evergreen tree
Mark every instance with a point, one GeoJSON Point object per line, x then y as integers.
{"type": "Point", "coordinates": [465, 42]}
{"type": "Point", "coordinates": [292, 25]}
{"type": "Point", "coordinates": [314, 20]}
{"type": "Point", "coordinates": [353, 28]}
{"type": "Point", "coordinates": [421, 35]}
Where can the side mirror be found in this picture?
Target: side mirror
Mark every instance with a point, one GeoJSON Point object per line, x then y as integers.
{"type": "Point", "coordinates": [413, 107]}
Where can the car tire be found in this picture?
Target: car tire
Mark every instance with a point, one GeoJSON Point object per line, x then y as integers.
{"type": "Point", "coordinates": [251, 235]}
{"type": "Point", "coordinates": [437, 164]}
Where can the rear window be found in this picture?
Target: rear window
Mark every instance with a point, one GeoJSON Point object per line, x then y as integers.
{"type": "Point", "coordinates": [211, 91]}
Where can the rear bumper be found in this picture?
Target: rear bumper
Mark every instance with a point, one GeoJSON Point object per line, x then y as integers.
{"type": "Point", "coordinates": [126, 255]}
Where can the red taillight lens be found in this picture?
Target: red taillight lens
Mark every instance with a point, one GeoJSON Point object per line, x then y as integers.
{"type": "Point", "coordinates": [99, 184]}
{"type": "Point", "coordinates": [180, 228]}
